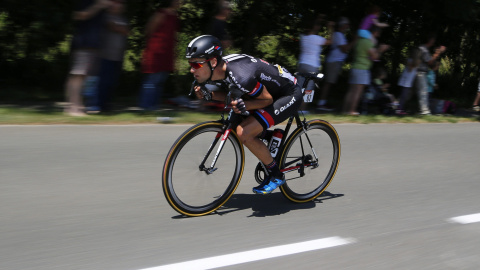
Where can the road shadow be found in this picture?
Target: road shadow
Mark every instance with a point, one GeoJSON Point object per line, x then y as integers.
{"type": "Point", "coordinates": [267, 205]}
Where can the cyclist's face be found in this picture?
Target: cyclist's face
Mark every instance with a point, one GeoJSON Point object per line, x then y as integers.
{"type": "Point", "coordinates": [200, 69]}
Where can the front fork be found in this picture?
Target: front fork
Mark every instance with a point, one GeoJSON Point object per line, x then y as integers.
{"type": "Point", "coordinates": [229, 125]}
{"type": "Point", "coordinates": [223, 137]}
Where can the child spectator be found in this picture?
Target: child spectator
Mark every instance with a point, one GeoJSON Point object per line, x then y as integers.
{"type": "Point", "coordinates": [406, 83]}
{"type": "Point", "coordinates": [432, 79]}
{"type": "Point", "coordinates": [377, 94]}
{"type": "Point", "coordinates": [368, 21]}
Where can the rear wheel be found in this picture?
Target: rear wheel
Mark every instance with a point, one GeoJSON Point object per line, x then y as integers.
{"type": "Point", "coordinates": [310, 160]}
{"type": "Point", "coordinates": [194, 190]}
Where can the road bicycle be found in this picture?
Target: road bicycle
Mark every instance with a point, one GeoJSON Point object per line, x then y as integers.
{"type": "Point", "coordinates": [204, 166]}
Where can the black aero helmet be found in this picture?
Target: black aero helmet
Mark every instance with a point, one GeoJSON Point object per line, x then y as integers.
{"type": "Point", "coordinates": [205, 46]}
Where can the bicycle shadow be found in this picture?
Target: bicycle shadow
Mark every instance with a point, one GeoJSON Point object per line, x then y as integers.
{"type": "Point", "coordinates": [270, 205]}
{"type": "Point", "coordinates": [267, 205]}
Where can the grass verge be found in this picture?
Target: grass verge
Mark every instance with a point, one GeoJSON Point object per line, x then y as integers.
{"type": "Point", "coordinates": [15, 115]}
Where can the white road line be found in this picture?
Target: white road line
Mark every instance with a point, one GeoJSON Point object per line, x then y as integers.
{"type": "Point", "coordinates": [256, 255]}
{"type": "Point", "coordinates": [466, 219]}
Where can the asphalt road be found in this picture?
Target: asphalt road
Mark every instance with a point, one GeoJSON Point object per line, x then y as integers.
{"type": "Point", "coordinates": [90, 197]}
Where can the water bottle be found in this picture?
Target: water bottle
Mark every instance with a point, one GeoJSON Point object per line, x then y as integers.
{"type": "Point", "coordinates": [275, 141]}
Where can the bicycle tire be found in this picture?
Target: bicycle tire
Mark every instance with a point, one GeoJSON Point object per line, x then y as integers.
{"type": "Point", "coordinates": [326, 144]}
{"type": "Point", "coordinates": [191, 191]}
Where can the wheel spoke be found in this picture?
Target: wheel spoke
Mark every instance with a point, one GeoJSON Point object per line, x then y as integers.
{"type": "Point", "coordinates": [194, 191]}
{"type": "Point", "coordinates": [310, 160]}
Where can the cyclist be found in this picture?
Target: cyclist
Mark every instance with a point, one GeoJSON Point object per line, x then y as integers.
{"type": "Point", "coordinates": [269, 92]}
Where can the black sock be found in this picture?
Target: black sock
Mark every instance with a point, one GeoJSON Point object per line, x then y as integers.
{"type": "Point", "coordinates": [273, 169]}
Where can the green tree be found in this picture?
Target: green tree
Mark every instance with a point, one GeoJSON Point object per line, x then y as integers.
{"type": "Point", "coordinates": [34, 36]}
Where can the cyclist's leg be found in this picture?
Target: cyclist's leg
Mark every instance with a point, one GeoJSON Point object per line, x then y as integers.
{"type": "Point", "coordinates": [276, 113]}
{"type": "Point", "coordinates": [248, 131]}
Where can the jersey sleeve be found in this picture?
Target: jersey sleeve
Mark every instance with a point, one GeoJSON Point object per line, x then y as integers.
{"type": "Point", "coordinates": [257, 90]}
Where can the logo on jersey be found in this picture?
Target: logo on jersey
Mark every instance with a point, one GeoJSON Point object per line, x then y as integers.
{"type": "Point", "coordinates": [234, 80]}
{"type": "Point", "coordinates": [268, 79]}
{"type": "Point", "coordinates": [265, 77]}
{"type": "Point", "coordinates": [277, 112]}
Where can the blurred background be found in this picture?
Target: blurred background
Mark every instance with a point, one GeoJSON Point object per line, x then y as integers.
{"type": "Point", "coordinates": [35, 38]}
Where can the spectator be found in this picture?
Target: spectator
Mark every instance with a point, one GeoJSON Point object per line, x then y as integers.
{"type": "Point", "coordinates": [89, 20]}
{"type": "Point", "coordinates": [159, 55]}
{"type": "Point", "coordinates": [364, 55]}
{"type": "Point", "coordinates": [377, 94]}
{"type": "Point", "coordinates": [406, 83]}
{"type": "Point", "coordinates": [370, 20]}
{"type": "Point", "coordinates": [427, 61]}
{"type": "Point", "coordinates": [339, 49]}
{"type": "Point", "coordinates": [476, 106]}
{"type": "Point", "coordinates": [310, 49]}
{"type": "Point", "coordinates": [113, 47]}
{"type": "Point", "coordinates": [218, 26]}
{"type": "Point", "coordinates": [432, 81]}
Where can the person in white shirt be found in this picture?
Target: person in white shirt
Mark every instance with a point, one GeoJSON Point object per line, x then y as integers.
{"type": "Point", "coordinates": [333, 64]}
{"type": "Point", "coordinates": [310, 49]}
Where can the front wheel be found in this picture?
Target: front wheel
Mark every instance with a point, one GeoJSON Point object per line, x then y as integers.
{"type": "Point", "coordinates": [309, 160]}
{"type": "Point", "coordinates": [191, 184]}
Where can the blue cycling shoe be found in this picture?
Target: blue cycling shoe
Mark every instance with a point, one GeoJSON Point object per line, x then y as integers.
{"type": "Point", "coordinates": [268, 185]}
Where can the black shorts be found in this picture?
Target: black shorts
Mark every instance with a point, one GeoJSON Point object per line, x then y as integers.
{"type": "Point", "coordinates": [280, 109]}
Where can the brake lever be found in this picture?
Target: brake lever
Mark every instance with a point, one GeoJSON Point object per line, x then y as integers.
{"type": "Point", "coordinates": [207, 95]}
{"type": "Point", "coordinates": [192, 89]}
{"type": "Point", "coordinates": [228, 99]}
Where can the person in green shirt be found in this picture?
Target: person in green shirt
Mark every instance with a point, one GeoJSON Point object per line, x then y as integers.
{"type": "Point", "coordinates": [364, 54]}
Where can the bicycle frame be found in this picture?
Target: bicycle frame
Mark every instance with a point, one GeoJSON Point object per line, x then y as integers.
{"type": "Point", "coordinates": [229, 124]}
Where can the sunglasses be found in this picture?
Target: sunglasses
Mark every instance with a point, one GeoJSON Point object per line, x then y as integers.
{"type": "Point", "coordinates": [197, 65]}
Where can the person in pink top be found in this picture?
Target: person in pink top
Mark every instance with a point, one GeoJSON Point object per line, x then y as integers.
{"type": "Point", "coordinates": [159, 54]}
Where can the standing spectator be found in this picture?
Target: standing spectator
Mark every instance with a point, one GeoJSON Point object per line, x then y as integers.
{"type": "Point", "coordinates": [339, 49]}
{"type": "Point", "coordinates": [475, 106]}
{"type": "Point", "coordinates": [427, 61]}
{"type": "Point", "coordinates": [432, 81]}
{"type": "Point", "coordinates": [159, 55]}
{"type": "Point", "coordinates": [89, 20]}
{"type": "Point", "coordinates": [310, 49]}
{"type": "Point", "coordinates": [364, 55]}
{"type": "Point", "coordinates": [406, 83]}
{"type": "Point", "coordinates": [219, 27]}
{"type": "Point", "coordinates": [113, 47]}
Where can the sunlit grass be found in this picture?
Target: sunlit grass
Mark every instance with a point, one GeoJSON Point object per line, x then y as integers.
{"type": "Point", "coordinates": [11, 115]}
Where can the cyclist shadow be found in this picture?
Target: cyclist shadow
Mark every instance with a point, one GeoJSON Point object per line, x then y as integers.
{"type": "Point", "coordinates": [270, 205]}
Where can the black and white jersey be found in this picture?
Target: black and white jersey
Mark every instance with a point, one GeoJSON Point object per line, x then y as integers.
{"type": "Point", "coordinates": [250, 74]}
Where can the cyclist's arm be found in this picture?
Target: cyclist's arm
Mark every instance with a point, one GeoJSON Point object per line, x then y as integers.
{"type": "Point", "coordinates": [216, 95]}
{"type": "Point", "coordinates": [219, 95]}
{"type": "Point", "coordinates": [262, 101]}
